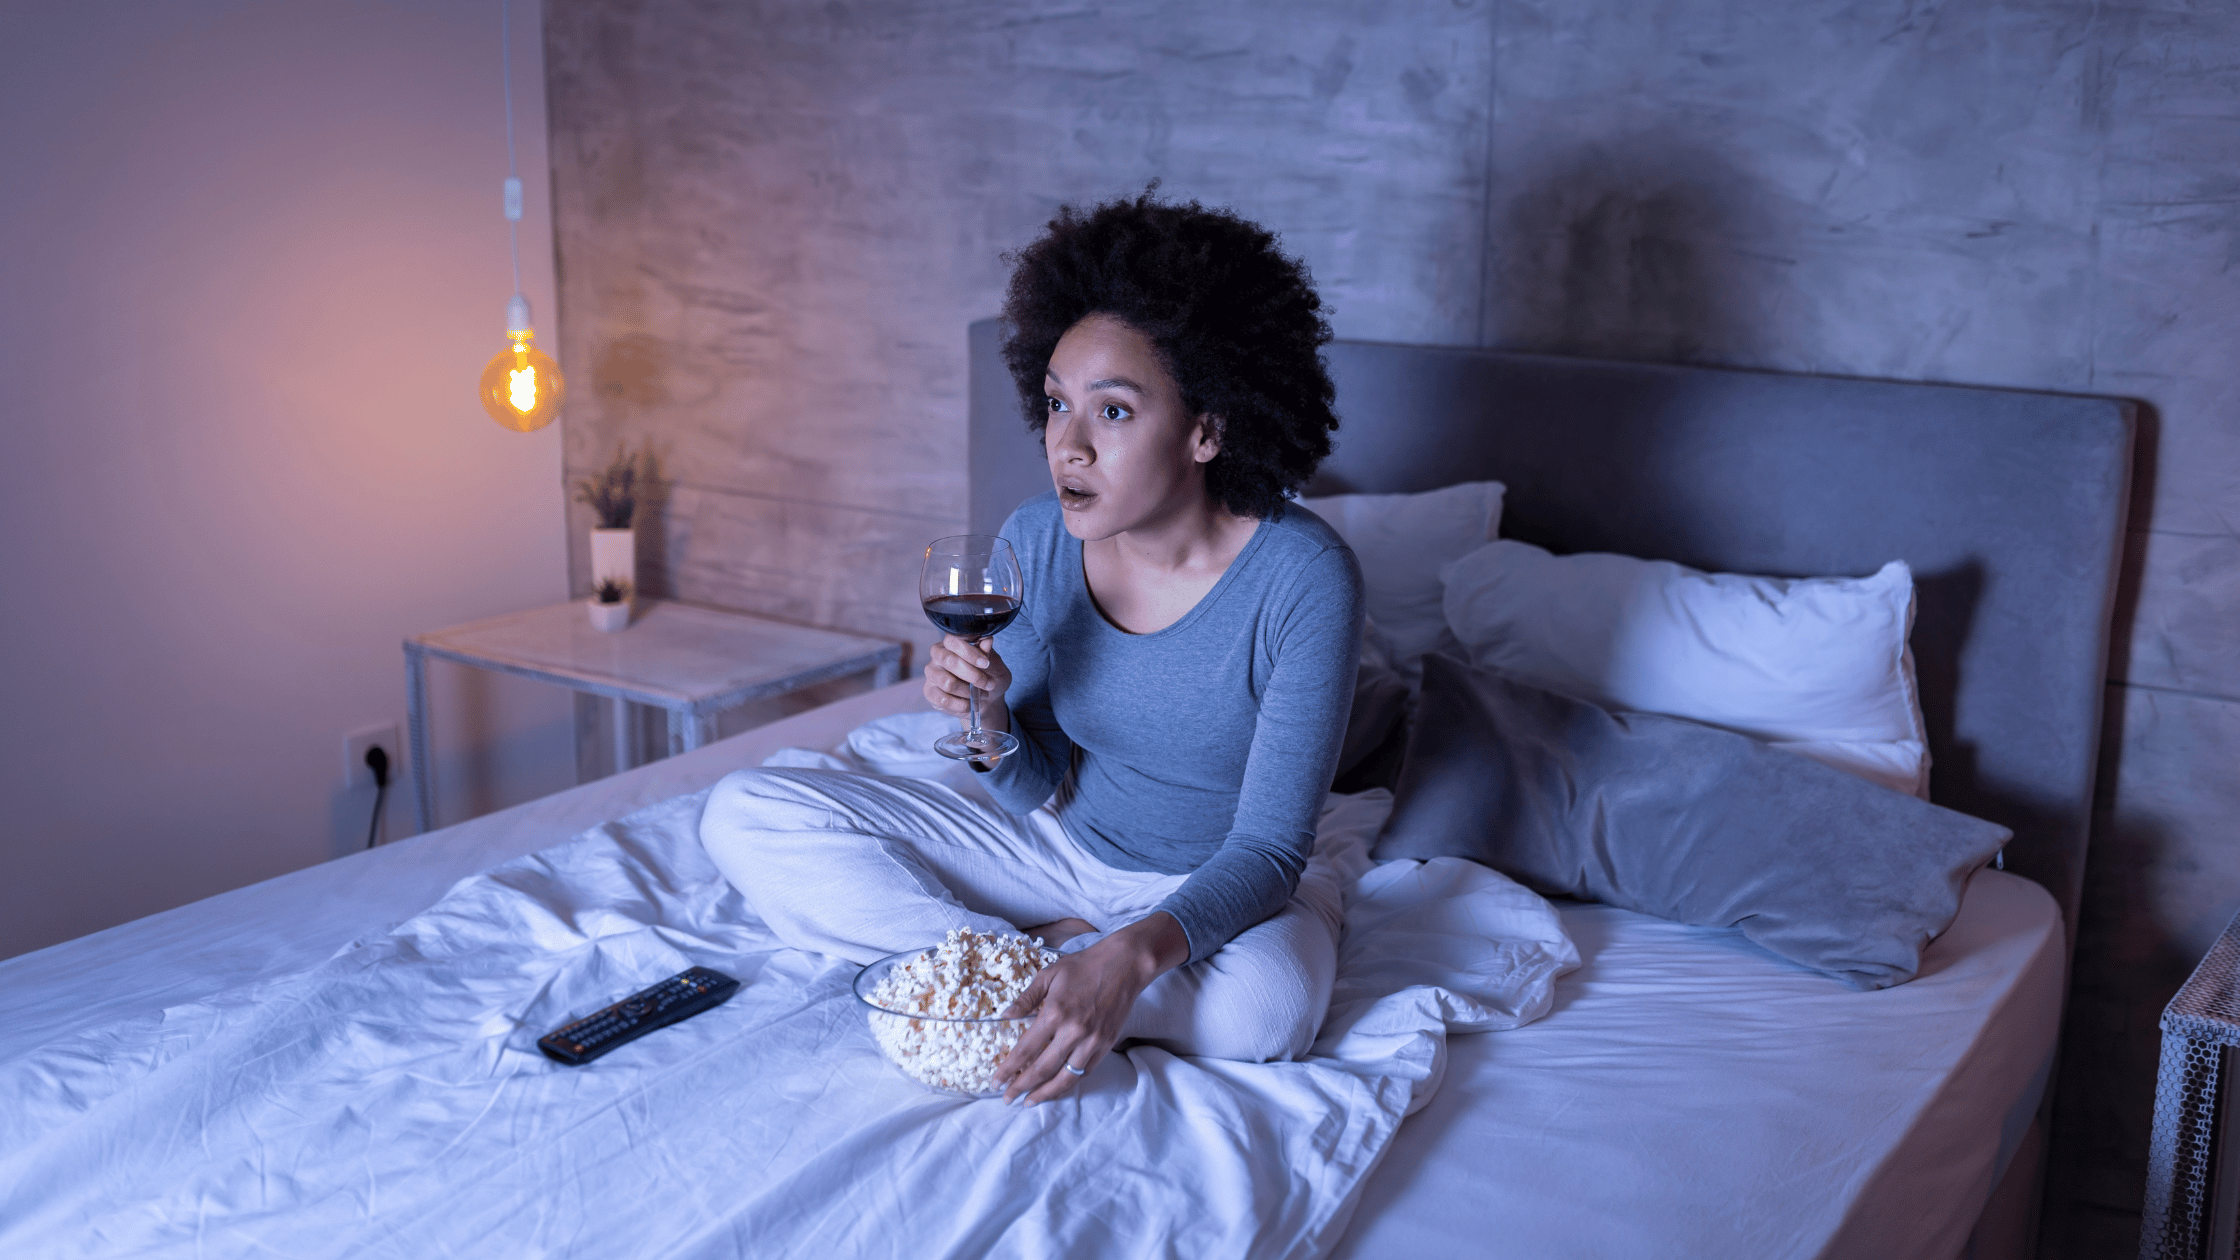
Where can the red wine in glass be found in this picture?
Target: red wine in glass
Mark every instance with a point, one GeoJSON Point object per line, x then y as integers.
{"type": "Point", "coordinates": [970, 586]}
{"type": "Point", "coordinates": [971, 616]}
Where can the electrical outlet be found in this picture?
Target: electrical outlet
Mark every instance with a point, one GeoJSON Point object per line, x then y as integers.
{"type": "Point", "coordinates": [355, 772]}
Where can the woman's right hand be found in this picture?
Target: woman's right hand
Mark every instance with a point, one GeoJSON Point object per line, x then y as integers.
{"type": "Point", "coordinates": [955, 666]}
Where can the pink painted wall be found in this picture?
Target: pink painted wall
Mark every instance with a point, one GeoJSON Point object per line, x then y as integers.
{"type": "Point", "coordinates": [251, 263]}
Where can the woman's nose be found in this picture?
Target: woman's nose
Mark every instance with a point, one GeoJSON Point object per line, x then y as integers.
{"type": "Point", "coordinates": [1066, 443]}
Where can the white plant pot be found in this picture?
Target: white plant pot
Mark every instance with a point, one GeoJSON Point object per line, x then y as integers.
{"type": "Point", "coordinates": [610, 617]}
{"type": "Point", "coordinates": [614, 553]}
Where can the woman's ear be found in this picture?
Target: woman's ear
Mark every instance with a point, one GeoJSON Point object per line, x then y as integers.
{"type": "Point", "coordinates": [1209, 438]}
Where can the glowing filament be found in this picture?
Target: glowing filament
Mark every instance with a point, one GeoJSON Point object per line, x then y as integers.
{"type": "Point", "coordinates": [521, 389]}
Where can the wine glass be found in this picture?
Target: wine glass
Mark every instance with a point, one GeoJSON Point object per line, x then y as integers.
{"type": "Point", "coordinates": [971, 587]}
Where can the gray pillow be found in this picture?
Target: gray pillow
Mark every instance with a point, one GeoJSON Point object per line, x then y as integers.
{"type": "Point", "coordinates": [1681, 821]}
{"type": "Point", "coordinates": [1376, 729]}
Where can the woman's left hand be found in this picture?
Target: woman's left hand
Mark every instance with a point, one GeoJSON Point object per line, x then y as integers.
{"type": "Point", "coordinates": [1080, 1004]}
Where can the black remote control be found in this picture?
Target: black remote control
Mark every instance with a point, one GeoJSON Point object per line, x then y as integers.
{"type": "Point", "coordinates": [681, 996]}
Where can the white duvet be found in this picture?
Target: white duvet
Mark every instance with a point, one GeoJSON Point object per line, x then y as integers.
{"type": "Point", "coordinates": [391, 1101]}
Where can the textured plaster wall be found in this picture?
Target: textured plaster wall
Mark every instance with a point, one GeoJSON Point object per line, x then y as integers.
{"type": "Point", "coordinates": [775, 220]}
{"type": "Point", "coordinates": [253, 261]}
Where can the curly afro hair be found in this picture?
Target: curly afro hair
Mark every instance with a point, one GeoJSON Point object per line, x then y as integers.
{"type": "Point", "coordinates": [1237, 324]}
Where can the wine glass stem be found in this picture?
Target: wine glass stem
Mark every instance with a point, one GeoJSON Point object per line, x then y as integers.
{"type": "Point", "coordinates": [972, 701]}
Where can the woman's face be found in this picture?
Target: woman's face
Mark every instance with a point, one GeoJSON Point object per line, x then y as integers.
{"type": "Point", "coordinates": [1124, 453]}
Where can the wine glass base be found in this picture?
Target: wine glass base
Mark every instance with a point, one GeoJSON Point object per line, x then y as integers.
{"type": "Point", "coordinates": [979, 747]}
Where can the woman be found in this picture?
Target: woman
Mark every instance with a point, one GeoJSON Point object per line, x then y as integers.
{"type": "Point", "coordinates": [1179, 679]}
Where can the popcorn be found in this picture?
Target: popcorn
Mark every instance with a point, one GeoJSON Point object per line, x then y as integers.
{"type": "Point", "coordinates": [969, 976]}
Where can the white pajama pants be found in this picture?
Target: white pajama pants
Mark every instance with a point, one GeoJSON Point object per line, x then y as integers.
{"type": "Point", "coordinates": [861, 866]}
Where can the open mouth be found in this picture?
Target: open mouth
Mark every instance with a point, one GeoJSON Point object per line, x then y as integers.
{"type": "Point", "coordinates": [1074, 500]}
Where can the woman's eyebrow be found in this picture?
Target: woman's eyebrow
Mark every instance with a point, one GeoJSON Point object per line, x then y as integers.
{"type": "Point", "coordinates": [1110, 382]}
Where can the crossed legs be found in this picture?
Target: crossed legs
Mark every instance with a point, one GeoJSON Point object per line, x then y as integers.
{"type": "Point", "coordinates": [860, 866]}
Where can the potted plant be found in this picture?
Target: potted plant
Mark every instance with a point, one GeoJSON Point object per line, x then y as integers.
{"type": "Point", "coordinates": [610, 604]}
{"type": "Point", "coordinates": [613, 497]}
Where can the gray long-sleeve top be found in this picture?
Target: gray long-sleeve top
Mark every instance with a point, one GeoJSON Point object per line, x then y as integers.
{"type": "Point", "coordinates": [1202, 749]}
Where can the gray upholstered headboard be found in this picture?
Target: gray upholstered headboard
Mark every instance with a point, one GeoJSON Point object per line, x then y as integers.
{"type": "Point", "coordinates": [2009, 506]}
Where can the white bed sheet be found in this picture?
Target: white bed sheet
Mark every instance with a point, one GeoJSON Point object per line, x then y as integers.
{"type": "Point", "coordinates": [390, 1101]}
{"type": "Point", "coordinates": [1692, 1095]}
{"type": "Point", "coordinates": [1668, 1055]}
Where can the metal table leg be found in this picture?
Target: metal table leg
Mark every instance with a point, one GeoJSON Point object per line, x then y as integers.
{"type": "Point", "coordinates": [688, 731]}
{"type": "Point", "coordinates": [625, 735]}
{"type": "Point", "coordinates": [416, 723]}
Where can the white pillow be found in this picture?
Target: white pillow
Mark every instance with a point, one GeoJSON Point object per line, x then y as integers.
{"type": "Point", "coordinates": [1402, 542]}
{"type": "Point", "coordinates": [1818, 666]}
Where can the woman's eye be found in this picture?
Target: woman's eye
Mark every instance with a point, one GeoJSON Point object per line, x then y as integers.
{"type": "Point", "coordinates": [1053, 404]}
{"type": "Point", "coordinates": [1114, 411]}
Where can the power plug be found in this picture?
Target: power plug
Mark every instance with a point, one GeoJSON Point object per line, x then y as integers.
{"type": "Point", "coordinates": [355, 772]}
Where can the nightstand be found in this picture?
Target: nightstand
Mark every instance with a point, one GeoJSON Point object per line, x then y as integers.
{"type": "Point", "coordinates": [693, 662]}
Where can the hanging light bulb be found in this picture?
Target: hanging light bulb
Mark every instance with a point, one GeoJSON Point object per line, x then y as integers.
{"type": "Point", "coordinates": [522, 388]}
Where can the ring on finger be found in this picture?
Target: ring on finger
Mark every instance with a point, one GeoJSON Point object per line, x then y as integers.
{"type": "Point", "coordinates": [1076, 1071]}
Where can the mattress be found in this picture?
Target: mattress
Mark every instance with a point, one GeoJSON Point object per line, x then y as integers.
{"type": "Point", "coordinates": [1693, 1095]}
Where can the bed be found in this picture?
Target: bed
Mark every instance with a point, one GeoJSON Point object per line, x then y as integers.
{"type": "Point", "coordinates": [339, 1061]}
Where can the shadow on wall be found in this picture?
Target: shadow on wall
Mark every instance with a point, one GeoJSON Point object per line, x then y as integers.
{"type": "Point", "coordinates": [2128, 966]}
{"type": "Point", "coordinates": [1637, 249]}
{"type": "Point", "coordinates": [2130, 961]}
{"type": "Point", "coordinates": [653, 522]}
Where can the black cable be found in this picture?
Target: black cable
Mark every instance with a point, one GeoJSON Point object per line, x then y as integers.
{"type": "Point", "coordinates": [377, 759]}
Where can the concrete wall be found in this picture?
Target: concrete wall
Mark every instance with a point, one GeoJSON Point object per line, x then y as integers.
{"type": "Point", "coordinates": [775, 221]}
{"type": "Point", "coordinates": [254, 263]}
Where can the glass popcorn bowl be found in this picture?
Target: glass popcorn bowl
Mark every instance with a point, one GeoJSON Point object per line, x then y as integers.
{"type": "Point", "coordinates": [952, 1055]}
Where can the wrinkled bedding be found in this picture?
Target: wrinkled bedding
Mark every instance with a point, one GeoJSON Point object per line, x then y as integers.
{"type": "Point", "coordinates": [391, 1101]}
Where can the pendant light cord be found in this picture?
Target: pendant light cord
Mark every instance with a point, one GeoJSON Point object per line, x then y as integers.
{"type": "Point", "coordinates": [377, 760]}
{"type": "Point", "coordinates": [513, 175]}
